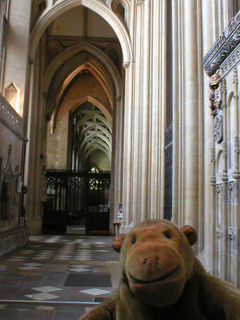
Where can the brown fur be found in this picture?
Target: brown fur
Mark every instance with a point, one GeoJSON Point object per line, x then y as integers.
{"type": "Point", "coordinates": [162, 279]}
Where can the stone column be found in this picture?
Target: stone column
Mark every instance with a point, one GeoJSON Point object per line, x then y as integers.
{"type": "Point", "coordinates": [236, 175]}
{"type": "Point", "coordinates": [144, 157]}
{"type": "Point", "coordinates": [191, 110]}
{"type": "Point", "coordinates": [33, 209]}
{"type": "Point", "coordinates": [137, 81]}
{"type": "Point", "coordinates": [155, 117]}
{"type": "Point", "coordinates": [175, 89]}
{"type": "Point", "coordinates": [208, 25]}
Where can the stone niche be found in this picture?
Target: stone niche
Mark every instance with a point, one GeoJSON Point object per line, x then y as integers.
{"type": "Point", "coordinates": [13, 232]}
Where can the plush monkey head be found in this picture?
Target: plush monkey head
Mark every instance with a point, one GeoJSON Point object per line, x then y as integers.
{"type": "Point", "coordinates": [157, 259]}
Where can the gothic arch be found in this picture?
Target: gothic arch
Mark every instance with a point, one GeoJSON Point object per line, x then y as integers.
{"type": "Point", "coordinates": [71, 54]}
{"type": "Point", "coordinates": [100, 8]}
{"type": "Point", "coordinates": [96, 103]}
{"type": "Point", "coordinates": [72, 60]}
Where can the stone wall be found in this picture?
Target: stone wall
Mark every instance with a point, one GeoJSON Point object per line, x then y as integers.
{"type": "Point", "coordinates": [12, 229]}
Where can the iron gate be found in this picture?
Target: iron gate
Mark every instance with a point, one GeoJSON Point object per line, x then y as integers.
{"type": "Point", "coordinates": [72, 196]}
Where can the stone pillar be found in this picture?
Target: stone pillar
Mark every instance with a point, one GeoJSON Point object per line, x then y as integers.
{"type": "Point", "coordinates": [155, 114]}
{"type": "Point", "coordinates": [208, 25]}
{"type": "Point", "coordinates": [176, 125]}
{"type": "Point", "coordinates": [137, 81]}
{"type": "Point", "coordinates": [236, 175]}
{"type": "Point", "coordinates": [144, 153]}
{"type": "Point", "coordinates": [191, 111]}
{"type": "Point", "coordinates": [127, 153]}
{"type": "Point", "coordinates": [36, 133]}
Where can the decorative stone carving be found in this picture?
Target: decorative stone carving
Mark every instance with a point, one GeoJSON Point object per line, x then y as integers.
{"type": "Point", "coordinates": [230, 62]}
{"type": "Point", "coordinates": [214, 96]}
{"type": "Point", "coordinates": [224, 149]}
{"type": "Point", "coordinates": [219, 231]}
{"type": "Point", "coordinates": [140, 2]}
{"type": "Point", "coordinates": [218, 128]}
{"type": "Point", "coordinates": [231, 233]}
{"type": "Point", "coordinates": [213, 179]}
{"type": "Point", "coordinates": [10, 187]}
{"type": "Point", "coordinates": [218, 189]}
{"type": "Point", "coordinates": [126, 64]}
{"type": "Point", "coordinates": [230, 186]}
{"type": "Point", "coordinates": [53, 48]}
{"type": "Point", "coordinates": [223, 47]}
{"type": "Point", "coordinates": [235, 77]}
{"type": "Point", "coordinates": [236, 144]}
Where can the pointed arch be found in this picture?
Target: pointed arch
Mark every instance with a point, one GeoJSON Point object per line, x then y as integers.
{"type": "Point", "coordinates": [98, 7]}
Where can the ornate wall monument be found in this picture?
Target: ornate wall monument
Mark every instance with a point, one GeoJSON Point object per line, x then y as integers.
{"type": "Point", "coordinates": [13, 231]}
{"type": "Point", "coordinates": [222, 64]}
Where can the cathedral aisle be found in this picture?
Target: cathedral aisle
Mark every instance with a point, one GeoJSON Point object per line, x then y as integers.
{"type": "Point", "coordinates": [57, 277]}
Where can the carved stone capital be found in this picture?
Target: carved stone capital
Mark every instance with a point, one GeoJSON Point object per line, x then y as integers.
{"type": "Point", "coordinates": [126, 64]}
{"type": "Point", "coordinates": [140, 2]}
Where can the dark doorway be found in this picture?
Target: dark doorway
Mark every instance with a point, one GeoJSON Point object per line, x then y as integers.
{"type": "Point", "coordinates": [76, 199]}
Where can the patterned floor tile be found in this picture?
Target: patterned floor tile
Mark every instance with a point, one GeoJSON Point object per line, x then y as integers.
{"type": "Point", "coordinates": [47, 289]}
{"type": "Point", "coordinates": [78, 268]}
{"type": "Point", "coordinates": [28, 268]}
{"type": "Point", "coordinates": [95, 292]}
{"type": "Point", "coordinates": [42, 296]}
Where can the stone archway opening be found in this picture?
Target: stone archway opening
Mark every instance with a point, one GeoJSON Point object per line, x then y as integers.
{"type": "Point", "coordinates": [80, 67]}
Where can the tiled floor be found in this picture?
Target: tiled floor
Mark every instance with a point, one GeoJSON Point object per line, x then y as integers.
{"type": "Point", "coordinates": [57, 277]}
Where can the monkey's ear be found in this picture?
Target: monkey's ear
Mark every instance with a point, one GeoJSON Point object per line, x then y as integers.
{"type": "Point", "coordinates": [118, 241]}
{"type": "Point", "coordinates": [190, 233]}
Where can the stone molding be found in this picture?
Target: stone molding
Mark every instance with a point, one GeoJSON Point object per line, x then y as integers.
{"type": "Point", "coordinates": [231, 61]}
{"type": "Point", "coordinates": [223, 47]}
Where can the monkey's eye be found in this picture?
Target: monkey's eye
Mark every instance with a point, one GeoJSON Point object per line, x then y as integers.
{"type": "Point", "coordinates": [167, 234]}
{"type": "Point", "coordinates": [134, 239]}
